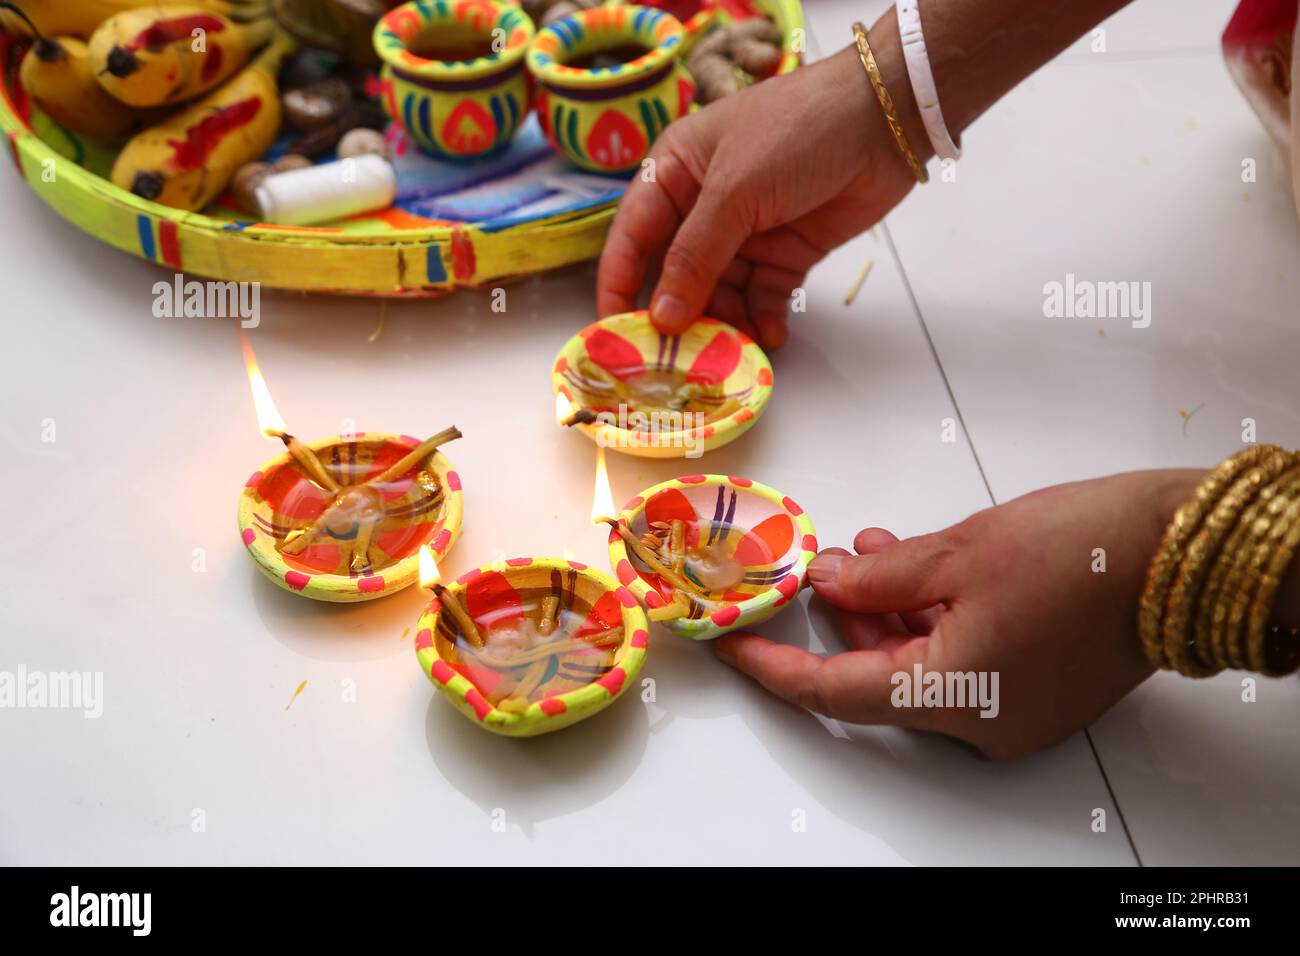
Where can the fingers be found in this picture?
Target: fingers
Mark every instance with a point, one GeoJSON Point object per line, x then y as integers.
{"type": "Point", "coordinates": [854, 686]}
{"type": "Point", "coordinates": [648, 215]}
{"type": "Point", "coordinates": [904, 576]}
{"type": "Point", "coordinates": [704, 245]}
{"type": "Point", "coordinates": [874, 540]}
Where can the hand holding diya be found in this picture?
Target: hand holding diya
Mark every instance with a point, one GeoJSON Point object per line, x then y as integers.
{"type": "Point", "coordinates": [529, 645]}
{"type": "Point", "coordinates": [707, 554]}
{"type": "Point", "coordinates": [342, 519]}
{"type": "Point", "coordinates": [630, 387]}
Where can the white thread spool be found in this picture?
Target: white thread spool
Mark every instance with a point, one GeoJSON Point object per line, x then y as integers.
{"type": "Point", "coordinates": [325, 193]}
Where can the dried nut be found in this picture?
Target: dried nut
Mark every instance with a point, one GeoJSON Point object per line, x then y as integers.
{"type": "Point", "coordinates": [317, 105]}
{"type": "Point", "coordinates": [243, 186]}
{"type": "Point", "coordinates": [756, 28]}
{"type": "Point", "coordinates": [302, 68]}
{"type": "Point", "coordinates": [755, 57]}
{"type": "Point", "coordinates": [558, 11]}
{"type": "Point", "coordinates": [361, 141]}
{"type": "Point", "coordinates": [291, 161]}
{"type": "Point", "coordinates": [716, 43]}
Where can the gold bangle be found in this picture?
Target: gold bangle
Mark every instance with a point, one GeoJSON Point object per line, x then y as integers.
{"type": "Point", "coordinates": [1186, 522]}
{"type": "Point", "coordinates": [1202, 552]}
{"type": "Point", "coordinates": [1211, 586]}
{"type": "Point", "coordinates": [887, 103]}
{"type": "Point", "coordinates": [1284, 538]}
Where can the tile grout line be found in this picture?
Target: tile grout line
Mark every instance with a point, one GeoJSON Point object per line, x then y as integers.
{"type": "Point", "coordinates": [934, 354]}
{"type": "Point", "coordinates": [970, 444]}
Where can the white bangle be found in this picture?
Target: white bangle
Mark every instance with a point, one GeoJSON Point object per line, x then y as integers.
{"type": "Point", "coordinates": [923, 85]}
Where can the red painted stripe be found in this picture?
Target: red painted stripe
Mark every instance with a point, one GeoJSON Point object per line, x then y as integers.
{"type": "Point", "coordinates": [476, 700]}
{"type": "Point", "coordinates": [441, 671]}
{"type": "Point", "coordinates": [613, 681]}
{"type": "Point", "coordinates": [373, 583]}
{"type": "Point", "coordinates": [170, 242]}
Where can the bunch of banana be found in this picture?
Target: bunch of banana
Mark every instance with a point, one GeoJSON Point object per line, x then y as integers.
{"type": "Point", "coordinates": [80, 17]}
{"type": "Point", "coordinates": [187, 159]}
{"type": "Point", "coordinates": [57, 74]}
{"type": "Point", "coordinates": [169, 53]}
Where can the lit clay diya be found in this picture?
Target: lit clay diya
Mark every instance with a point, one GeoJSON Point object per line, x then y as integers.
{"type": "Point", "coordinates": [633, 389]}
{"type": "Point", "coordinates": [360, 540]}
{"type": "Point", "coordinates": [711, 553]}
{"type": "Point", "coordinates": [531, 645]}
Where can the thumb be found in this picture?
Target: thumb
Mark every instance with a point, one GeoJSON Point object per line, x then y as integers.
{"type": "Point", "coordinates": [908, 576]}
{"type": "Point", "coordinates": [704, 246]}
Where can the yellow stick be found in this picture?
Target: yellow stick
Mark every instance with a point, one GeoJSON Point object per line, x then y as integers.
{"type": "Point", "coordinates": [308, 460]}
{"type": "Point", "coordinates": [468, 629]}
{"type": "Point", "coordinates": [416, 455]}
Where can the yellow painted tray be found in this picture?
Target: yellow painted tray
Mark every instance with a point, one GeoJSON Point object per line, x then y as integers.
{"type": "Point", "coordinates": [389, 253]}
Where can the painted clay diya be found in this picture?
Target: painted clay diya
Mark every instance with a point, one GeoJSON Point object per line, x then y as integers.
{"type": "Point", "coordinates": [531, 645]}
{"type": "Point", "coordinates": [741, 549]}
{"type": "Point", "coordinates": [605, 116]}
{"type": "Point", "coordinates": [362, 541]}
{"type": "Point", "coordinates": [444, 82]}
{"type": "Point", "coordinates": [634, 389]}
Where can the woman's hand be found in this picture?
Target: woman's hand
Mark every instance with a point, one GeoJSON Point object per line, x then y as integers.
{"type": "Point", "coordinates": [746, 195]}
{"type": "Point", "coordinates": [1011, 590]}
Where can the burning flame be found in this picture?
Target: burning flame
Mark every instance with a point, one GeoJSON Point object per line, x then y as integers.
{"type": "Point", "coordinates": [602, 498]}
{"type": "Point", "coordinates": [268, 418]}
{"type": "Point", "coordinates": [429, 573]}
{"type": "Point", "coordinates": [563, 407]}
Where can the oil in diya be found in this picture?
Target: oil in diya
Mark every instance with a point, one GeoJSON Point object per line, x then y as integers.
{"type": "Point", "coordinates": [707, 554]}
{"type": "Point", "coordinates": [630, 387]}
{"type": "Point", "coordinates": [342, 519]}
{"type": "Point", "coordinates": [529, 645]}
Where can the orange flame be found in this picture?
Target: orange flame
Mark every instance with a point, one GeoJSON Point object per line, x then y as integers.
{"type": "Point", "coordinates": [602, 497]}
{"type": "Point", "coordinates": [429, 573]}
{"type": "Point", "coordinates": [268, 417]}
{"type": "Point", "coordinates": [563, 407]}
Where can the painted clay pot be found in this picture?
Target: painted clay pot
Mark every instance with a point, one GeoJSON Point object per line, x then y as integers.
{"type": "Point", "coordinates": [592, 657]}
{"type": "Point", "coordinates": [445, 81]}
{"type": "Point", "coordinates": [697, 18]}
{"type": "Point", "coordinates": [624, 370]}
{"type": "Point", "coordinates": [424, 506]}
{"type": "Point", "coordinates": [604, 118]}
{"type": "Point", "coordinates": [764, 534]}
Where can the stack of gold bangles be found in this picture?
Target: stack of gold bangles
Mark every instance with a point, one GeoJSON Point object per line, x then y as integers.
{"type": "Point", "coordinates": [887, 103]}
{"type": "Point", "coordinates": [1210, 589]}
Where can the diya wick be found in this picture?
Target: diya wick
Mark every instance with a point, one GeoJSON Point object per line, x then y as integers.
{"type": "Point", "coordinates": [430, 578]}
{"type": "Point", "coordinates": [568, 415]}
{"type": "Point", "coordinates": [272, 425]}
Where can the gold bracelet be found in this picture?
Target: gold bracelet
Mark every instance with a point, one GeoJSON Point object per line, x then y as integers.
{"type": "Point", "coordinates": [887, 103]}
{"type": "Point", "coordinates": [1211, 585]}
{"type": "Point", "coordinates": [1202, 551]}
{"type": "Point", "coordinates": [1187, 520]}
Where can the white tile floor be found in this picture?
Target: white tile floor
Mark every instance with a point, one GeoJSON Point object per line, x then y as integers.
{"type": "Point", "coordinates": [1090, 168]}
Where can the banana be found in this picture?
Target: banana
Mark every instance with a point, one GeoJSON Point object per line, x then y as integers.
{"type": "Point", "coordinates": [187, 159]}
{"type": "Point", "coordinates": [58, 76]}
{"type": "Point", "coordinates": [80, 17]}
{"type": "Point", "coordinates": [171, 52]}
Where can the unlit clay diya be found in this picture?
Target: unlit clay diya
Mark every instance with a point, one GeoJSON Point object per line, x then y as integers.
{"type": "Point", "coordinates": [631, 388]}
{"type": "Point", "coordinates": [344, 519]}
{"type": "Point", "coordinates": [707, 554]}
{"type": "Point", "coordinates": [530, 645]}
